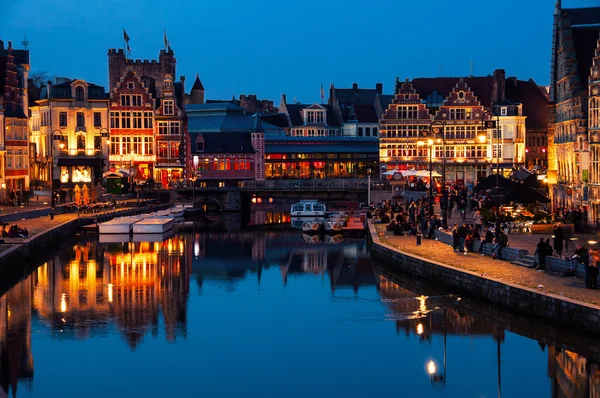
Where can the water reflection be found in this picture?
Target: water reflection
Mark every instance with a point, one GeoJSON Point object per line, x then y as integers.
{"type": "Point", "coordinates": [271, 302]}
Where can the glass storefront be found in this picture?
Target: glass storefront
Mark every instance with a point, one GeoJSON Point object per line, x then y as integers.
{"type": "Point", "coordinates": [280, 166]}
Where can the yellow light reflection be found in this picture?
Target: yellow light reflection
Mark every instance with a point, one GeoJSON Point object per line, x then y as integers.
{"type": "Point", "coordinates": [420, 329]}
{"type": "Point", "coordinates": [63, 302]}
{"type": "Point", "coordinates": [110, 292]}
{"type": "Point", "coordinates": [422, 304]}
{"type": "Point", "coordinates": [431, 368]}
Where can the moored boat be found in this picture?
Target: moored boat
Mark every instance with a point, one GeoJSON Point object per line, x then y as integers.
{"type": "Point", "coordinates": [308, 208]}
{"type": "Point", "coordinates": [312, 226]}
{"type": "Point", "coordinates": [333, 226]}
{"type": "Point", "coordinates": [158, 225]}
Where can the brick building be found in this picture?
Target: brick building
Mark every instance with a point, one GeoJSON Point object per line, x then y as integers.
{"type": "Point", "coordinates": [14, 111]}
{"type": "Point", "coordinates": [459, 104]}
{"type": "Point", "coordinates": [573, 90]}
{"type": "Point", "coordinates": [69, 133]}
{"type": "Point", "coordinates": [148, 126]}
{"type": "Point", "coordinates": [356, 108]}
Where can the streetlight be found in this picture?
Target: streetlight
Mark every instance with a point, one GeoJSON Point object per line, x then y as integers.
{"type": "Point", "coordinates": [491, 125]}
{"type": "Point", "coordinates": [369, 187]}
{"type": "Point", "coordinates": [444, 202]}
{"type": "Point", "coordinates": [193, 179]}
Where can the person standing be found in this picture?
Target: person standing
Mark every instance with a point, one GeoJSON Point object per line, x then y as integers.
{"type": "Point", "coordinates": [12, 197]}
{"type": "Point", "coordinates": [478, 219]}
{"type": "Point", "coordinates": [19, 197]}
{"type": "Point", "coordinates": [593, 268]}
{"type": "Point", "coordinates": [455, 237]}
{"type": "Point", "coordinates": [540, 250]}
{"type": "Point", "coordinates": [462, 236]}
{"type": "Point", "coordinates": [558, 239]}
{"type": "Point", "coordinates": [26, 197]}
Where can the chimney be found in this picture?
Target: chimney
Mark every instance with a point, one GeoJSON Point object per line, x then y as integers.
{"type": "Point", "coordinates": [355, 86]}
{"type": "Point", "coordinates": [499, 85]}
{"type": "Point", "coordinates": [48, 89]}
{"type": "Point", "coordinates": [283, 99]}
{"type": "Point", "coordinates": [379, 88]}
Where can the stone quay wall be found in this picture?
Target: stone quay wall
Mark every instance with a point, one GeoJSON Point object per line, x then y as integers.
{"type": "Point", "coordinates": [559, 309]}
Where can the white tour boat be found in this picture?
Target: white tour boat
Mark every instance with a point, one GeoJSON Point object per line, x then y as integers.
{"type": "Point", "coordinates": [308, 208]}
{"type": "Point", "coordinates": [120, 225]}
{"type": "Point", "coordinates": [158, 225]}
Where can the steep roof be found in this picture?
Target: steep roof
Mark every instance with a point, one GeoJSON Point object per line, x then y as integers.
{"type": "Point", "coordinates": [583, 16]}
{"type": "Point", "coordinates": [296, 117]}
{"type": "Point", "coordinates": [585, 40]}
{"type": "Point", "coordinates": [197, 84]}
{"type": "Point", "coordinates": [232, 142]}
{"type": "Point", "coordinates": [481, 86]}
{"type": "Point", "coordinates": [365, 113]}
{"type": "Point", "coordinates": [355, 96]}
{"type": "Point", "coordinates": [221, 117]}
{"type": "Point", "coordinates": [535, 102]}
{"type": "Point", "coordinates": [277, 119]}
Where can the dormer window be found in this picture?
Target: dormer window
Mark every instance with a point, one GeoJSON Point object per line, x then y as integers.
{"type": "Point", "coordinates": [315, 116]}
{"type": "Point", "coordinates": [79, 93]}
{"type": "Point", "coordinates": [503, 111]}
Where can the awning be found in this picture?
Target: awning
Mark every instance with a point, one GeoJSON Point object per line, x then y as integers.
{"type": "Point", "coordinates": [112, 174]}
{"type": "Point", "coordinates": [81, 161]}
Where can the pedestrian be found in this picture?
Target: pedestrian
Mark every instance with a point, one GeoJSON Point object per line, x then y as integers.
{"type": "Point", "coordinates": [541, 252]}
{"type": "Point", "coordinates": [26, 197]}
{"type": "Point", "coordinates": [462, 237]}
{"type": "Point", "coordinates": [582, 256]}
{"type": "Point", "coordinates": [478, 219]}
{"type": "Point", "coordinates": [19, 197]}
{"type": "Point", "coordinates": [12, 197]}
{"type": "Point", "coordinates": [455, 237]}
{"type": "Point", "coordinates": [593, 268]}
{"type": "Point", "coordinates": [462, 206]}
{"type": "Point", "coordinates": [558, 239]}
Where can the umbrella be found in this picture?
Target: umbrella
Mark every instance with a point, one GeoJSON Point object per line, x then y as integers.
{"type": "Point", "coordinates": [522, 193]}
{"type": "Point", "coordinates": [390, 173]}
{"type": "Point", "coordinates": [489, 182]}
{"type": "Point", "coordinates": [425, 173]}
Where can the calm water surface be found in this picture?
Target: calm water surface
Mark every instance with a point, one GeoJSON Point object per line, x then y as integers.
{"type": "Point", "coordinates": [263, 314]}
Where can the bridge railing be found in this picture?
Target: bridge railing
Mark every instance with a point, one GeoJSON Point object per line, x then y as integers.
{"type": "Point", "coordinates": [355, 184]}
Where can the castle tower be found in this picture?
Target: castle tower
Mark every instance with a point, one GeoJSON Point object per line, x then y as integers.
{"type": "Point", "coordinates": [197, 93]}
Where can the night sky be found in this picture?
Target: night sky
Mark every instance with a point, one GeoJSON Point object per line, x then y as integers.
{"type": "Point", "coordinates": [274, 47]}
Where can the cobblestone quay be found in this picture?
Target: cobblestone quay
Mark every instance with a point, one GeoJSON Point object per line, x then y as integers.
{"type": "Point", "coordinates": [541, 302]}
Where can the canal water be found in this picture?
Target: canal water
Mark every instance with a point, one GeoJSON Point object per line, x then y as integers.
{"type": "Point", "coordinates": [267, 314]}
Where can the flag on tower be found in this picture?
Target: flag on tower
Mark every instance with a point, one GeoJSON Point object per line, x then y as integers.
{"type": "Point", "coordinates": [166, 39]}
{"type": "Point", "coordinates": [126, 38]}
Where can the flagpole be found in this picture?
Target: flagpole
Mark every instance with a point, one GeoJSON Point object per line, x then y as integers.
{"type": "Point", "coordinates": [124, 44]}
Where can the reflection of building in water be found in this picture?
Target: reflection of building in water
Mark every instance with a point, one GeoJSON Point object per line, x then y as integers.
{"type": "Point", "coordinates": [572, 375]}
{"type": "Point", "coordinates": [16, 359]}
{"type": "Point", "coordinates": [130, 282]}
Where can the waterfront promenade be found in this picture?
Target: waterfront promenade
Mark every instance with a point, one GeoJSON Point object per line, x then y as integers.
{"type": "Point", "coordinates": [552, 296]}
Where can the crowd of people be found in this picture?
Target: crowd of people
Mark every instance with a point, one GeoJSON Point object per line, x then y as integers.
{"type": "Point", "coordinates": [18, 197]}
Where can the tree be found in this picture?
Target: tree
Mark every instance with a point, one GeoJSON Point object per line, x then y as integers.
{"type": "Point", "coordinates": [40, 78]}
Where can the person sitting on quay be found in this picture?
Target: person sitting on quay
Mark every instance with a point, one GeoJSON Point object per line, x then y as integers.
{"type": "Point", "coordinates": [487, 239]}
{"type": "Point", "coordinates": [501, 243]}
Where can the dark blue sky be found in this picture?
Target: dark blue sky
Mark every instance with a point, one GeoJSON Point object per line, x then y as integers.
{"type": "Point", "coordinates": [274, 47]}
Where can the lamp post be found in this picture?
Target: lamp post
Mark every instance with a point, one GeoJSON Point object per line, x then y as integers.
{"type": "Point", "coordinates": [193, 179]}
{"type": "Point", "coordinates": [368, 187]}
{"type": "Point", "coordinates": [433, 130]}
{"type": "Point", "coordinates": [494, 124]}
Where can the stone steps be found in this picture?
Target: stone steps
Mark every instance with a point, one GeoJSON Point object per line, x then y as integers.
{"type": "Point", "coordinates": [526, 261]}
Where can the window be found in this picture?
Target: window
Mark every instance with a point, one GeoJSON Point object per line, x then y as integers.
{"type": "Point", "coordinates": [115, 145]}
{"type": "Point", "coordinates": [114, 120]}
{"type": "Point", "coordinates": [9, 158]}
{"type": "Point", "coordinates": [407, 112]}
{"type": "Point", "coordinates": [168, 83]}
{"type": "Point", "coordinates": [79, 93]}
{"type": "Point", "coordinates": [368, 131]}
{"type": "Point", "coordinates": [126, 147]}
{"type": "Point", "coordinates": [163, 128]}
{"type": "Point", "coordinates": [97, 143]}
{"type": "Point", "coordinates": [147, 120]}
{"type": "Point", "coordinates": [174, 128]}
{"type": "Point", "coordinates": [130, 85]}
{"type": "Point", "coordinates": [360, 131]}
{"type": "Point", "coordinates": [503, 111]}
{"type": "Point", "coordinates": [125, 100]}
{"type": "Point", "coordinates": [461, 95]}
{"type": "Point", "coordinates": [163, 151]}
{"type": "Point", "coordinates": [80, 142]}
{"type": "Point", "coordinates": [97, 119]}
{"type": "Point", "coordinates": [174, 149]}
{"type": "Point", "coordinates": [497, 151]}
{"type": "Point", "coordinates": [315, 116]}
{"type": "Point", "coordinates": [149, 145]}
{"type": "Point", "coordinates": [80, 119]}
{"type": "Point", "coordinates": [62, 119]}
{"type": "Point", "coordinates": [137, 120]}
{"type": "Point", "coordinates": [137, 100]}
{"type": "Point", "coordinates": [126, 120]}
{"type": "Point", "coordinates": [199, 146]}
{"type": "Point", "coordinates": [458, 113]}
{"type": "Point", "coordinates": [332, 133]}
{"type": "Point", "coordinates": [168, 107]}
{"type": "Point", "coordinates": [137, 145]}
{"type": "Point", "coordinates": [45, 119]}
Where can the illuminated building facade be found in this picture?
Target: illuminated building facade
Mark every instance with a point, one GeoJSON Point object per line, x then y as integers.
{"type": "Point", "coordinates": [14, 111]}
{"type": "Point", "coordinates": [69, 133]}
{"type": "Point", "coordinates": [228, 146]}
{"type": "Point", "coordinates": [459, 104]}
{"type": "Point", "coordinates": [594, 130]}
{"type": "Point", "coordinates": [148, 126]}
{"type": "Point", "coordinates": [573, 81]}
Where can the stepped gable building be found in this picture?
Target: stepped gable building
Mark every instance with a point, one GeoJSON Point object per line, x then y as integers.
{"type": "Point", "coordinates": [573, 83]}
{"type": "Point", "coordinates": [356, 108]}
{"type": "Point", "coordinates": [457, 104]}
{"type": "Point", "coordinates": [69, 133]}
{"type": "Point", "coordinates": [148, 125]}
{"type": "Point", "coordinates": [14, 112]}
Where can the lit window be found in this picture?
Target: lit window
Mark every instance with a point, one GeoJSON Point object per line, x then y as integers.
{"type": "Point", "coordinates": [79, 94]}
{"type": "Point", "coordinates": [168, 107]}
